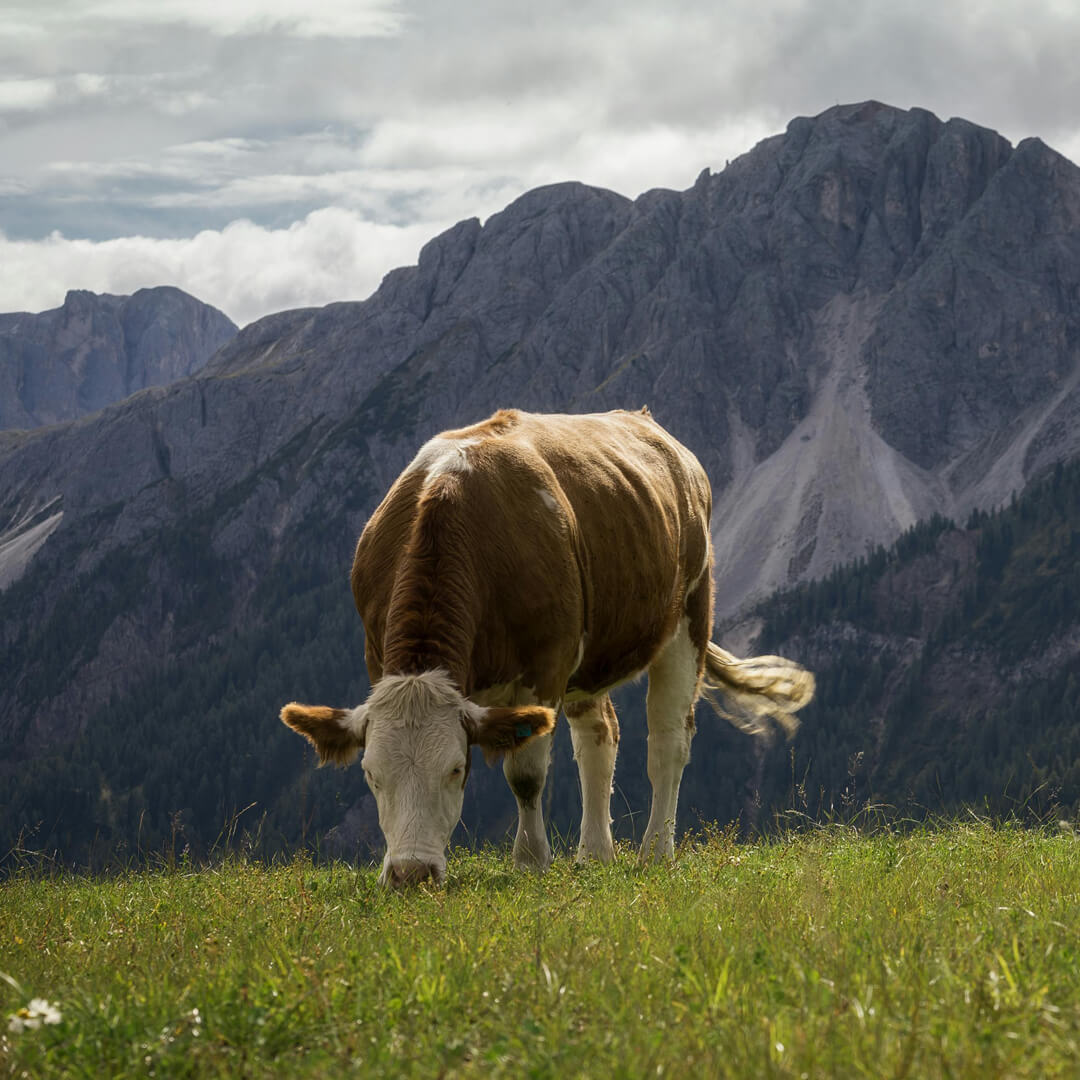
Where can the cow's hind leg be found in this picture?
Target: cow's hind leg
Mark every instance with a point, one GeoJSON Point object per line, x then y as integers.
{"type": "Point", "coordinates": [526, 772]}
{"type": "Point", "coordinates": [594, 730]}
{"type": "Point", "coordinates": [674, 678]}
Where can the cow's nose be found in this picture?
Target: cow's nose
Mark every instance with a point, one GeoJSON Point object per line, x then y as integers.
{"type": "Point", "coordinates": [408, 872]}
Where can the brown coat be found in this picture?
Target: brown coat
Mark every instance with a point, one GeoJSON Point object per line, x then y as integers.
{"type": "Point", "coordinates": [555, 553]}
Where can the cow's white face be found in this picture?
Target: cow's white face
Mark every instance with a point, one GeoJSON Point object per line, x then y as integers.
{"type": "Point", "coordinates": [415, 731]}
{"type": "Point", "coordinates": [416, 769]}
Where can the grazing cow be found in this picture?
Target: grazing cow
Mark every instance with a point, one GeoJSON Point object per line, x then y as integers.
{"type": "Point", "coordinates": [522, 565]}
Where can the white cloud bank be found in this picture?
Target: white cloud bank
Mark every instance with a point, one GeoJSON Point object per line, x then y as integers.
{"type": "Point", "coordinates": [371, 217]}
{"type": "Point", "coordinates": [244, 269]}
{"type": "Point", "coordinates": [303, 18]}
{"type": "Point", "coordinates": [21, 95]}
{"type": "Point", "coordinates": [371, 124]}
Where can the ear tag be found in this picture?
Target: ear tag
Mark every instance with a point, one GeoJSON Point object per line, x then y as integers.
{"type": "Point", "coordinates": [523, 731]}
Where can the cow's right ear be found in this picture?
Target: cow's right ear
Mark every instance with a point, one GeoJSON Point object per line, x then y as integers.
{"type": "Point", "coordinates": [499, 731]}
{"type": "Point", "coordinates": [337, 734]}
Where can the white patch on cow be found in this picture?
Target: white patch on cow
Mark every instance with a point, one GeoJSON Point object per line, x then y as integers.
{"type": "Point", "coordinates": [704, 567]}
{"type": "Point", "coordinates": [356, 722]}
{"type": "Point", "coordinates": [595, 759]}
{"type": "Point", "coordinates": [580, 654]}
{"type": "Point", "coordinates": [439, 456]}
{"type": "Point", "coordinates": [415, 753]}
{"type": "Point", "coordinates": [673, 688]}
{"type": "Point", "coordinates": [548, 499]}
{"type": "Point", "coordinates": [414, 761]}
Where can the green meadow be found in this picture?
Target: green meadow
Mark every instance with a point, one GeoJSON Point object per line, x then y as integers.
{"type": "Point", "coordinates": [952, 952]}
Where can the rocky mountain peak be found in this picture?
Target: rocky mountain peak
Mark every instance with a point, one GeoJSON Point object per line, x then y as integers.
{"type": "Point", "coordinates": [99, 348]}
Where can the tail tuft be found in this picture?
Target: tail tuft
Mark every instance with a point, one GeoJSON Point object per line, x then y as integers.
{"type": "Point", "coordinates": [750, 693]}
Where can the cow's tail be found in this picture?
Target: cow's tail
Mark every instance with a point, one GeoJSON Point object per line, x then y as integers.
{"type": "Point", "coordinates": [757, 692]}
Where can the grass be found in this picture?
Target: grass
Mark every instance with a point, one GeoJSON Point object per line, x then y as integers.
{"type": "Point", "coordinates": [951, 952]}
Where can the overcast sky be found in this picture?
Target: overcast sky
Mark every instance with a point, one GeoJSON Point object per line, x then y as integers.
{"type": "Point", "coordinates": [265, 154]}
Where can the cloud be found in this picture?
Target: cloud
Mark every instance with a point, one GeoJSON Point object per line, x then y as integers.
{"type": "Point", "coordinates": [244, 269]}
{"type": "Point", "coordinates": [443, 164]}
{"type": "Point", "coordinates": [146, 124]}
{"type": "Point", "coordinates": [17, 95]}
{"type": "Point", "coordinates": [330, 18]}
{"type": "Point", "coordinates": [302, 18]}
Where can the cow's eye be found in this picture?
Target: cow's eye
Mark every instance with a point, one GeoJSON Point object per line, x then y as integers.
{"type": "Point", "coordinates": [457, 772]}
{"type": "Point", "coordinates": [371, 780]}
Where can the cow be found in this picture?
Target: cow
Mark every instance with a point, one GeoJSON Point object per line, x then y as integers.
{"type": "Point", "coordinates": [523, 565]}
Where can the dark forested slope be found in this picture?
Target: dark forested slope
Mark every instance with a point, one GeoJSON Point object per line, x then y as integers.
{"type": "Point", "coordinates": [948, 667]}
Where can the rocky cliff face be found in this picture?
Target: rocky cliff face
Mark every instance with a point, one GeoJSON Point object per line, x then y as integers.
{"type": "Point", "coordinates": [868, 319]}
{"type": "Point", "coordinates": [63, 364]}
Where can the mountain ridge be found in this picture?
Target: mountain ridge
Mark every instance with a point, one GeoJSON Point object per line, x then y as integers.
{"type": "Point", "coordinates": [840, 324]}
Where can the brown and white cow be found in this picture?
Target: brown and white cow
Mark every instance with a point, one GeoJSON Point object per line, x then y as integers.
{"type": "Point", "coordinates": [522, 565]}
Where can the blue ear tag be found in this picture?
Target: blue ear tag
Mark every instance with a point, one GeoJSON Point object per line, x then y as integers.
{"type": "Point", "coordinates": [523, 731]}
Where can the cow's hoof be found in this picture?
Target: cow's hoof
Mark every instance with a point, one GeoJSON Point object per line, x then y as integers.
{"type": "Point", "coordinates": [527, 857]}
{"type": "Point", "coordinates": [600, 853]}
{"type": "Point", "coordinates": [656, 848]}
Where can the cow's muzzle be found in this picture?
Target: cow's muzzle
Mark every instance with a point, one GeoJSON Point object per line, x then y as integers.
{"type": "Point", "coordinates": [407, 872]}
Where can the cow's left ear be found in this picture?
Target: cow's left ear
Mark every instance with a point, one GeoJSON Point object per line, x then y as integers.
{"type": "Point", "coordinates": [337, 734]}
{"type": "Point", "coordinates": [499, 731]}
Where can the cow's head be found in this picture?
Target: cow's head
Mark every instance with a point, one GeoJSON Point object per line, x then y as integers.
{"type": "Point", "coordinates": [415, 732]}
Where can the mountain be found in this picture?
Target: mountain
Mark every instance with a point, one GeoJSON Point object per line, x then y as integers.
{"type": "Point", "coordinates": [861, 323]}
{"type": "Point", "coordinates": [948, 668]}
{"type": "Point", "coordinates": [95, 350]}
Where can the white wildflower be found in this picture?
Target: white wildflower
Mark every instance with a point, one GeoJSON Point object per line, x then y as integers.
{"type": "Point", "coordinates": [32, 1016]}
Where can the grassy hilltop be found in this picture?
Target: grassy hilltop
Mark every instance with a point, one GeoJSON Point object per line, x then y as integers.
{"type": "Point", "coordinates": [950, 952]}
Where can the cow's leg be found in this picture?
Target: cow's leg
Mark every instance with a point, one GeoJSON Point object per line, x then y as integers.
{"type": "Point", "coordinates": [674, 677]}
{"type": "Point", "coordinates": [594, 730]}
{"type": "Point", "coordinates": [526, 771]}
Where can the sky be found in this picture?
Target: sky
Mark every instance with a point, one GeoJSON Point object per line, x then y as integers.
{"type": "Point", "coordinates": [270, 154]}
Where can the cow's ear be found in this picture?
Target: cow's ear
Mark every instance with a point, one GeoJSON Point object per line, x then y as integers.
{"type": "Point", "coordinates": [337, 734]}
{"type": "Point", "coordinates": [499, 731]}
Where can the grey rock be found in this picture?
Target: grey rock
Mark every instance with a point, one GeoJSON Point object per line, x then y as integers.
{"type": "Point", "coordinates": [97, 349]}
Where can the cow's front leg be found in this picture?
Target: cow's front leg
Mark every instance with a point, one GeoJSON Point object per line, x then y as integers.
{"type": "Point", "coordinates": [594, 730]}
{"type": "Point", "coordinates": [526, 772]}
